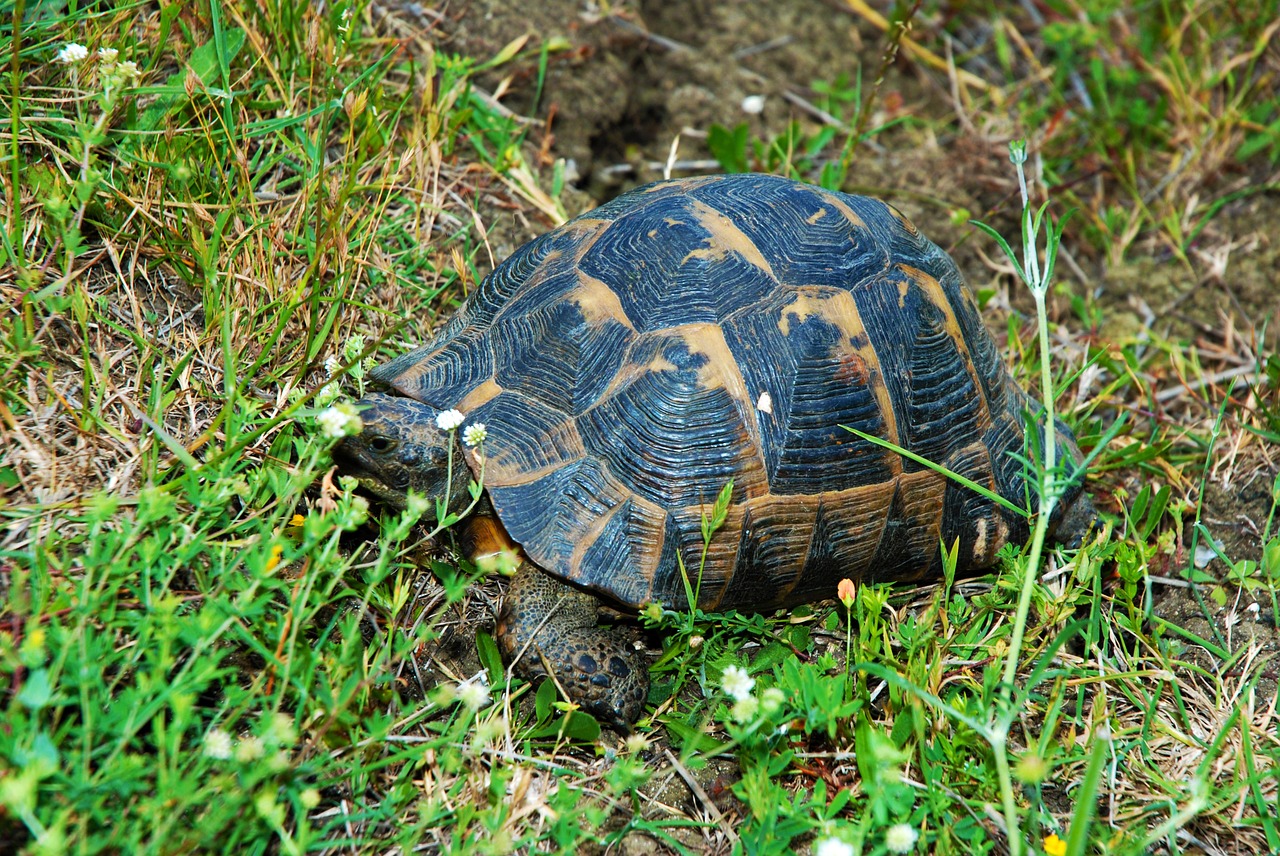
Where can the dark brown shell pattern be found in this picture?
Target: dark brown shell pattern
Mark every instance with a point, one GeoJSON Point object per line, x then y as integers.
{"type": "Point", "coordinates": [632, 362]}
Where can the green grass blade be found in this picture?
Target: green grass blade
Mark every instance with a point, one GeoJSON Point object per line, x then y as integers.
{"type": "Point", "coordinates": [938, 468]}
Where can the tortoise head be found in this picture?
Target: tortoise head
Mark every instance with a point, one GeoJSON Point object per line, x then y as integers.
{"type": "Point", "coordinates": [400, 449]}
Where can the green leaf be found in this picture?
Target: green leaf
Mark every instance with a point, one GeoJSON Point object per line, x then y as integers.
{"type": "Point", "coordinates": [578, 726]}
{"type": "Point", "coordinates": [719, 512]}
{"type": "Point", "coordinates": [543, 700]}
{"type": "Point", "coordinates": [729, 147]}
{"type": "Point", "coordinates": [36, 690]}
{"type": "Point", "coordinates": [770, 655]}
{"type": "Point", "coordinates": [204, 64]}
{"type": "Point", "coordinates": [693, 740]}
{"type": "Point", "coordinates": [487, 649]}
{"type": "Point", "coordinates": [44, 754]}
{"type": "Point", "coordinates": [582, 727]}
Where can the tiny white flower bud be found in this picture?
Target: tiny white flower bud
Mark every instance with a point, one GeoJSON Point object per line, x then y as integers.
{"type": "Point", "coordinates": [449, 420]}
{"type": "Point", "coordinates": [474, 434]}
{"type": "Point", "coordinates": [217, 745]}
{"type": "Point", "coordinates": [72, 52]}
{"type": "Point", "coordinates": [736, 682]}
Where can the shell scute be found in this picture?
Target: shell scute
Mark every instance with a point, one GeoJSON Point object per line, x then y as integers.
{"type": "Point", "coordinates": [669, 264]}
{"type": "Point", "coordinates": [672, 427]}
{"type": "Point", "coordinates": [558, 351]}
{"type": "Point", "coordinates": [806, 235]}
{"type": "Point", "coordinates": [833, 383]}
{"type": "Point", "coordinates": [525, 439]}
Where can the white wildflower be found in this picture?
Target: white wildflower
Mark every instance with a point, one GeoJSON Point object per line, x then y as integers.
{"type": "Point", "coordinates": [250, 749]}
{"type": "Point", "coordinates": [282, 729]}
{"type": "Point", "coordinates": [108, 54]}
{"type": "Point", "coordinates": [832, 847]}
{"type": "Point", "coordinates": [338, 422]}
{"type": "Point", "coordinates": [474, 434]}
{"type": "Point", "coordinates": [745, 709]}
{"type": "Point", "coordinates": [331, 364]}
{"type": "Point", "coordinates": [327, 394]}
{"type": "Point", "coordinates": [737, 683]}
{"type": "Point", "coordinates": [127, 70]}
{"type": "Point", "coordinates": [72, 52]}
{"type": "Point", "coordinates": [217, 745]}
{"type": "Point", "coordinates": [900, 838]}
{"type": "Point", "coordinates": [771, 699]}
{"type": "Point", "coordinates": [490, 730]}
{"type": "Point", "coordinates": [474, 694]}
{"type": "Point", "coordinates": [449, 420]}
{"type": "Point", "coordinates": [753, 104]}
{"type": "Point", "coordinates": [417, 504]}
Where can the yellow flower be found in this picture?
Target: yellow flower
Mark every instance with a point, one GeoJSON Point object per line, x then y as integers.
{"type": "Point", "coordinates": [297, 520]}
{"type": "Point", "coordinates": [277, 551]}
{"type": "Point", "coordinates": [1055, 846]}
{"type": "Point", "coordinates": [845, 592]}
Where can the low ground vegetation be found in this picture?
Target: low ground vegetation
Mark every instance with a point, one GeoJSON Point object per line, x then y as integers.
{"type": "Point", "coordinates": [218, 217]}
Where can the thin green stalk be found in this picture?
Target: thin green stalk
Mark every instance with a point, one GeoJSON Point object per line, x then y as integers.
{"type": "Point", "coordinates": [1049, 487]}
{"type": "Point", "coordinates": [15, 118]}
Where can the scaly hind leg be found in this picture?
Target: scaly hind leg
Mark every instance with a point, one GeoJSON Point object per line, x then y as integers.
{"type": "Point", "coordinates": [546, 621]}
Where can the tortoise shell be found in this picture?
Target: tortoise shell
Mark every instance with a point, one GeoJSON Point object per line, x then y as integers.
{"type": "Point", "coordinates": [631, 363]}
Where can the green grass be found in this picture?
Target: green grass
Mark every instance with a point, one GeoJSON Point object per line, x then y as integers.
{"type": "Point", "coordinates": [208, 645]}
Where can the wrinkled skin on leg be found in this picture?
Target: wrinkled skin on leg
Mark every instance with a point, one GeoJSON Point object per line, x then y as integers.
{"type": "Point", "coordinates": [557, 626]}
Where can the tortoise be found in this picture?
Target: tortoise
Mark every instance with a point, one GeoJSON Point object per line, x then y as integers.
{"type": "Point", "coordinates": [685, 336]}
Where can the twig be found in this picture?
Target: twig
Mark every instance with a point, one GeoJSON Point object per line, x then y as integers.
{"type": "Point", "coordinates": [812, 109]}
{"type": "Point", "coordinates": [922, 53]}
{"type": "Point", "coordinates": [1247, 372]}
{"type": "Point", "coordinates": [700, 795]}
{"type": "Point", "coordinates": [772, 44]}
{"type": "Point", "coordinates": [660, 41]}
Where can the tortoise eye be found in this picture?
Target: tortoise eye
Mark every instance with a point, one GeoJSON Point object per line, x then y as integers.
{"type": "Point", "coordinates": [381, 445]}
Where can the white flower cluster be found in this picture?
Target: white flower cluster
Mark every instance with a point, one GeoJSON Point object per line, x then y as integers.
{"type": "Point", "coordinates": [338, 421]}
{"type": "Point", "coordinates": [474, 693]}
{"type": "Point", "coordinates": [738, 685]}
{"type": "Point", "coordinates": [900, 838]}
{"type": "Point", "coordinates": [217, 745]}
{"type": "Point", "coordinates": [114, 72]}
{"type": "Point", "coordinates": [72, 52]}
{"type": "Point", "coordinates": [474, 434]}
{"type": "Point", "coordinates": [449, 420]}
{"type": "Point", "coordinates": [831, 847]}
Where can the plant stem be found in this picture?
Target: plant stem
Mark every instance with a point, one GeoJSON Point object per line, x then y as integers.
{"type": "Point", "coordinates": [1037, 279]}
{"type": "Point", "coordinates": [1000, 748]}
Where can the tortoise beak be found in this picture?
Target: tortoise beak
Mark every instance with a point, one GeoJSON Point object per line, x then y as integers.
{"type": "Point", "coordinates": [389, 485]}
